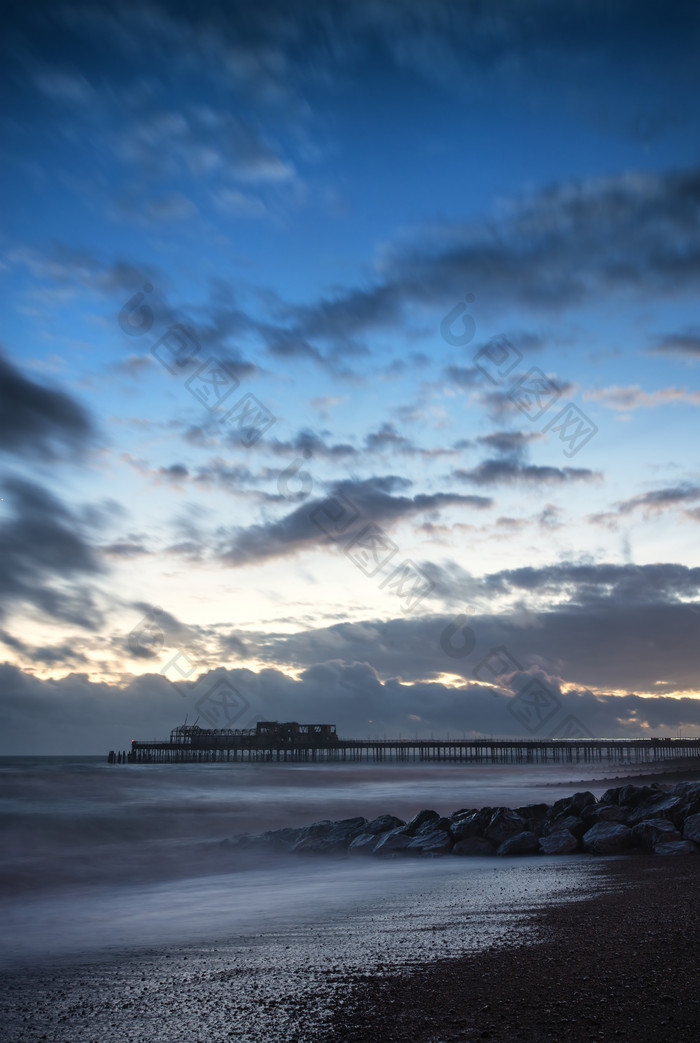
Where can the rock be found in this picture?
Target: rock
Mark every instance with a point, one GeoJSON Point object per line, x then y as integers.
{"type": "Point", "coordinates": [533, 811]}
{"type": "Point", "coordinates": [573, 823]}
{"type": "Point", "coordinates": [363, 844]}
{"type": "Point", "coordinates": [474, 846]}
{"type": "Point", "coordinates": [282, 839]}
{"type": "Point", "coordinates": [607, 838]}
{"type": "Point", "coordinates": [676, 847]}
{"type": "Point", "coordinates": [560, 842]}
{"type": "Point", "coordinates": [420, 819]}
{"type": "Point", "coordinates": [635, 795]}
{"type": "Point", "coordinates": [535, 817]}
{"type": "Point", "coordinates": [272, 841]}
{"type": "Point", "coordinates": [436, 843]}
{"type": "Point", "coordinates": [504, 823]}
{"type": "Point", "coordinates": [471, 826]}
{"type": "Point", "coordinates": [462, 813]}
{"type": "Point", "coordinates": [329, 841]}
{"type": "Point", "coordinates": [383, 824]}
{"type": "Point", "coordinates": [612, 796]}
{"type": "Point", "coordinates": [525, 843]}
{"type": "Point", "coordinates": [434, 824]}
{"type": "Point", "coordinates": [604, 813]}
{"type": "Point", "coordinates": [653, 831]}
{"type": "Point", "coordinates": [689, 806]}
{"type": "Point", "coordinates": [691, 829]}
{"type": "Point", "coordinates": [392, 843]}
{"type": "Point", "coordinates": [660, 806]}
{"type": "Point", "coordinates": [572, 805]}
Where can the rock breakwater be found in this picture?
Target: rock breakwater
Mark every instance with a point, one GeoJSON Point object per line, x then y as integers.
{"type": "Point", "coordinates": [658, 818]}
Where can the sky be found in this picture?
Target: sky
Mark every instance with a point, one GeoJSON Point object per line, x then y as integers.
{"type": "Point", "coordinates": [349, 369]}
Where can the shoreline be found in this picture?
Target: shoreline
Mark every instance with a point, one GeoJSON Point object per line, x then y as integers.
{"type": "Point", "coordinates": [618, 963]}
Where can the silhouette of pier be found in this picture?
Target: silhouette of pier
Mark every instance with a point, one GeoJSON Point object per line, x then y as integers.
{"type": "Point", "coordinates": [272, 741]}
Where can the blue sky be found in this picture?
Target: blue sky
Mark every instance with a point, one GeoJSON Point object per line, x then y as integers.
{"type": "Point", "coordinates": [308, 191]}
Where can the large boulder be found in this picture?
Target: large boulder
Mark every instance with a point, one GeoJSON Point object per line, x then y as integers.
{"type": "Point", "coordinates": [393, 843]}
{"type": "Point", "coordinates": [607, 838]}
{"type": "Point", "coordinates": [273, 841]}
{"type": "Point", "coordinates": [436, 843]}
{"type": "Point", "coordinates": [363, 844]}
{"type": "Point", "coordinates": [314, 841]}
{"type": "Point", "coordinates": [658, 806]}
{"type": "Point", "coordinates": [525, 843]}
{"type": "Point", "coordinates": [691, 829]}
{"type": "Point", "coordinates": [533, 810]}
{"type": "Point", "coordinates": [676, 847]}
{"type": "Point", "coordinates": [472, 825]}
{"type": "Point", "coordinates": [604, 813]}
{"type": "Point", "coordinates": [474, 847]}
{"type": "Point", "coordinates": [572, 805]}
{"type": "Point", "coordinates": [535, 816]}
{"type": "Point", "coordinates": [690, 805]}
{"type": "Point", "coordinates": [434, 824]}
{"type": "Point", "coordinates": [504, 823]}
{"type": "Point", "coordinates": [573, 823]}
{"type": "Point", "coordinates": [462, 813]}
{"type": "Point", "coordinates": [635, 795]}
{"type": "Point", "coordinates": [420, 819]}
{"type": "Point", "coordinates": [653, 831]}
{"type": "Point", "coordinates": [560, 842]}
{"type": "Point", "coordinates": [612, 796]}
{"type": "Point", "coordinates": [383, 823]}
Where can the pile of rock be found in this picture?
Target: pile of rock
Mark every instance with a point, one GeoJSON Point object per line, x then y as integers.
{"type": "Point", "coordinates": [662, 819]}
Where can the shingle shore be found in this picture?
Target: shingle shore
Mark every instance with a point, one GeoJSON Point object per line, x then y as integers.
{"type": "Point", "coordinates": [620, 964]}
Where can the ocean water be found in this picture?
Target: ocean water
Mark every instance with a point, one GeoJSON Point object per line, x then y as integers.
{"type": "Point", "coordinates": [122, 917]}
{"type": "Point", "coordinates": [99, 857]}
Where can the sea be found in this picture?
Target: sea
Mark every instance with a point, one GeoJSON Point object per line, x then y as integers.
{"type": "Point", "coordinates": [118, 899]}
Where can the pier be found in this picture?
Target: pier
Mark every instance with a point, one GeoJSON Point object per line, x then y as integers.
{"type": "Point", "coordinates": [292, 742]}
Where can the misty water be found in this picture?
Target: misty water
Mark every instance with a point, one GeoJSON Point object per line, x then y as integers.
{"type": "Point", "coordinates": [99, 857]}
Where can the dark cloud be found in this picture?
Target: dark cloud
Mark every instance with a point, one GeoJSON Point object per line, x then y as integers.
{"type": "Point", "coordinates": [609, 628]}
{"type": "Point", "coordinates": [505, 471]}
{"type": "Point", "coordinates": [510, 467]}
{"type": "Point", "coordinates": [47, 557]}
{"type": "Point", "coordinates": [685, 343]}
{"type": "Point", "coordinates": [512, 443]}
{"type": "Point", "coordinates": [35, 420]}
{"type": "Point", "coordinates": [587, 584]}
{"type": "Point", "coordinates": [373, 498]}
{"type": "Point", "coordinates": [566, 245]}
{"type": "Point", "coordinates": [652, 502]}
{"type": "Point", "coordinates": [74, 715]}
{"type": "Point", "coordinates": [124, 549]}
{"type": "Point", "coordinates": [464, 376]}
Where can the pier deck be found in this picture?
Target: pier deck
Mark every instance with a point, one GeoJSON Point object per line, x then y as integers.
{"type": "Point", "coordinates": [235, 748]}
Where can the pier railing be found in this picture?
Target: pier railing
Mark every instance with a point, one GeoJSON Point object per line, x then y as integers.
{"type": "Point", "coordinates": [251, 747]}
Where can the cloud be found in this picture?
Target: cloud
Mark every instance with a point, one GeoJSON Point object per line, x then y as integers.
{"type": "Point", "coordinates": [652, 502]}
{"type": "Point", "coordinates": [506, 472]}
{"type": "Point", "coordinates": [374, 500]}
{"type": "Point", "coordinates": [632, 397]}
{"type": "Point", "coordinates": [510, 468]}
{"type": "Point", "coordinates": [560, 248]}
{"type": "Point", "coordinates": [75, 716]}
{"type": "Point", "coordinates": [47, 558]}
{"type": "Point", "coordinates": [611, 628]}
{"type": "Point", "coordinates": [34, 419]}
{"type": "Point", "coordinates": [685, 343]}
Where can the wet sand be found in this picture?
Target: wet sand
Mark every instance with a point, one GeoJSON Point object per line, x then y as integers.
{"type": "Point", "coordinates": [621, 964]}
